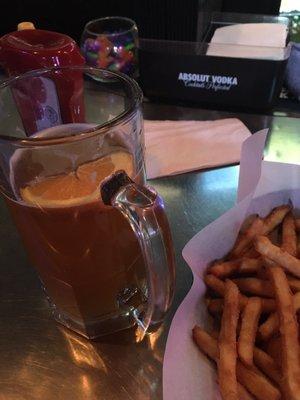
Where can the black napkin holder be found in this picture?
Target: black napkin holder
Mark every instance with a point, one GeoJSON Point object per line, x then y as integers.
{"type": "Point", "coordinates": [185, 71]}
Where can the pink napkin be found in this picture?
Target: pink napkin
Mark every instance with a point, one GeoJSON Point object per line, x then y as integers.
{"type": "Point", "coordinates": [175, 147]}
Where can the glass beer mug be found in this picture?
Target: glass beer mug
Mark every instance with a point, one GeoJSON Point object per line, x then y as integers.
{"type": "Point", "coordinates": [74, 183]}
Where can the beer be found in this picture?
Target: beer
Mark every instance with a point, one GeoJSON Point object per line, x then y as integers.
{"type": "Point", "coordinates": [85, 252]}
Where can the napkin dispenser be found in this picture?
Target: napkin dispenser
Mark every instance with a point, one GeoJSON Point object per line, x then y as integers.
{"type": "Point", "coordinates": [212, 73]}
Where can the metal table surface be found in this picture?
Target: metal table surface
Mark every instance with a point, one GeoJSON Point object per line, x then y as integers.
{"type": "Point", "coordinates": [40, 360]}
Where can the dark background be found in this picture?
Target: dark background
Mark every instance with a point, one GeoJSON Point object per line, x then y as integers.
{"type": "Point", "coordinates": [164, 19]}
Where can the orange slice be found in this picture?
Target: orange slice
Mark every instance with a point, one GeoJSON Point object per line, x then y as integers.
{"type": "Point", "coordinates": [77, 187]}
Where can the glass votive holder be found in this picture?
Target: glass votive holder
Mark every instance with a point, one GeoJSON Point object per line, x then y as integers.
{"type": "Point", "coordinates": [111, 43]}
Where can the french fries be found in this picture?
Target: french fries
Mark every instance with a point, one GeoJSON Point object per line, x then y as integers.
{"type": "Point", "coordinates": [250, 265]}
{"type": "Point", "coordinates": [289, 235]}
{"type": "Point", "coordinates": [206, 343]}
{"type": "Point", "coordinates": [294, 284]}
{"type": "Point", "coordinates": [254, 296]}
{"type": "Point", "coordinates": [271, 348]}
{"type": "Point", "coordinates": [275, 237]}
{"type": "Point", "coordinates": [227, 268]}
{"type": "Point", "coordinates": [297, 224]}
{"type": "Point", "coordinates": [227, 343]}
{"type": "Point", "coordinates": [250, 253]}
{"type": "Point", "coordinates": [271, 325]}
{"type": "Point", "coordinates": [258, 226]}
{"type": "Point", "coordinates": [245, 238]}
{"type": "Point", "coordinates": [254, 286]}
{"type": "Point", "coordinates": [289, 333]}
{"type": "Point", "coordinates": [267, 364]}
{"type": "Point", "coordinates": [275, 217]}
{"type": "Point", "coordinates": [257, 384]}
{"type": "Point", "coordinates": [250, 317]}
{"type": "Point", "coordinates": [243, 393]}
{"type": "Point", "coordinates": [253, 381]}
{"type": "Point", "coordinates": [241, 266]}
{"type": "Point", "coordinates": [281, 257]}
{"type": "Point", "coordinates": [215, 306]}
{"type": "Point", "coordinates": [215, 284]}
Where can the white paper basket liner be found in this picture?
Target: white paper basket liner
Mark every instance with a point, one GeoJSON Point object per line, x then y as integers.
{"type": "Point", "coordinates": [187, 374]}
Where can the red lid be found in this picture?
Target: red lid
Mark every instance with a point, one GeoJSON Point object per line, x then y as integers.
{"type": "Point", "coordinates": [30, 49]}
{"type": "Point", "coordinates": [36, 40]}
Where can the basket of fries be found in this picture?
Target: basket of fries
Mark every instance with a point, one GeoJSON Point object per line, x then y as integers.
{"type": "Point", "coordinates": [235, 336]}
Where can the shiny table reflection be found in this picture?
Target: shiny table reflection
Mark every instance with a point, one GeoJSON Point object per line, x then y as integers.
{"type": "Point", "coordinates": [41, 360]}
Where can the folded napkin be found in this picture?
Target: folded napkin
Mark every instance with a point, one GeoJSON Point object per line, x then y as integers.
{"type": "Point", "coordinates": [174, 147]}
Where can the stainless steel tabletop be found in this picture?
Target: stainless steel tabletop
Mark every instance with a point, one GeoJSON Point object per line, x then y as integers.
{"type": "Point", "coordinates": [42, 361]}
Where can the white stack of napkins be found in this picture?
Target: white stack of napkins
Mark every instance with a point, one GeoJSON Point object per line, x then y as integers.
{"type": "Point", "coordinates": [259, 41]}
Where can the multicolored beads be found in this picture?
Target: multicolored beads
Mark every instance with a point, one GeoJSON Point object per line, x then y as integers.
{"type": "Point", "coordinates": [116, 52]}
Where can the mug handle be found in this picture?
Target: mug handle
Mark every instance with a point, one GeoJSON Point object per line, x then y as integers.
{"type": "Point", "coordinates": [144, 210]}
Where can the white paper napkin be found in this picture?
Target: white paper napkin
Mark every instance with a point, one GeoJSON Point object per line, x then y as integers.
{"type": "Point", "coordinates": [261, 40]}
{"type": "Point", "coordinates": [174, 147]}
{"type": "Point", "coordinates": [260, 34]}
